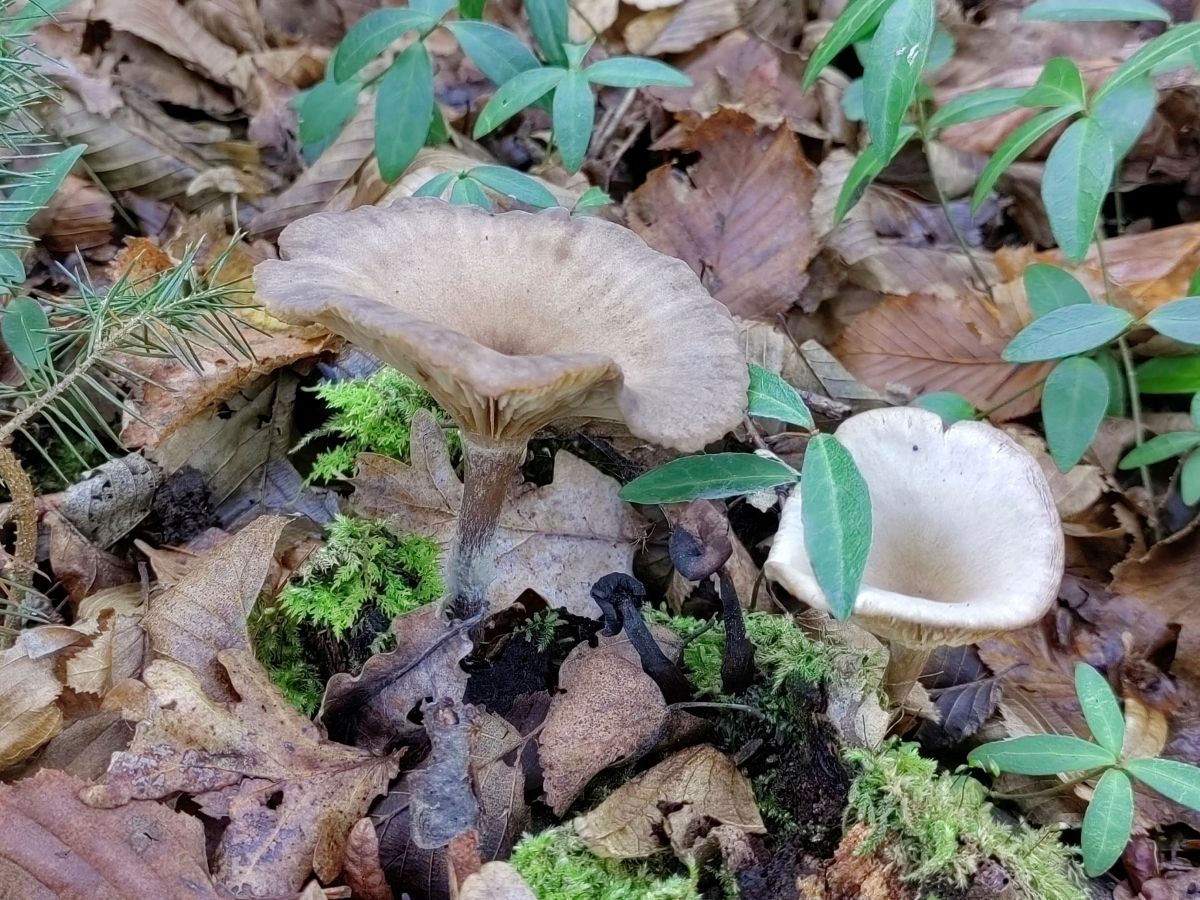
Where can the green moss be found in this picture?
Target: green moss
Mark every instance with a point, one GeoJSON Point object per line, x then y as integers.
{"type": "Point", "coordinates": [939, 826]}
{"type": "Point", "coordinates": [279, 647]}
{"type": "Point", "coordinates": [558, 866]}
{"type": "Point", "coordinates": [371, 414]}
{"type": "Point", "coordinates": [540, 628]}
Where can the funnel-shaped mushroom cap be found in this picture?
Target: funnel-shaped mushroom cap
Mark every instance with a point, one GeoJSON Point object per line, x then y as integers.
{"type": "Point", "coordinates": [967, 542]}
{"type": "Point", "coordinates": [516, 319]}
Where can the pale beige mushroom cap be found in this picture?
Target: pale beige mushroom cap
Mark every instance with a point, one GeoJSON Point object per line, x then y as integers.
{"type": "Point", "coordinates": [967, 541]}
{"type": "Point", "coordinates": [514, 320]}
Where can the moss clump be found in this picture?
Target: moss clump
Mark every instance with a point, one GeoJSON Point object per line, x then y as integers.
{"type": "Point", "coordinates": [557, 865]}
{"type": "Point", "coordinates": [370, 415]}
{"type": "Point", "coordinates": [940, 827]}
{"type": "Point", "coordinates": [280, 648]}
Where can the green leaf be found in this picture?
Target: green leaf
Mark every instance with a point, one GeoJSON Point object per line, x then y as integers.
{"type": "Point", "coordinates": [633, 72]}
{"type": "Point", "coordinates": [1124, 113]}
{"type": "Point", "coordinates": [591, 199]}
{"type": "Point", "coordinates": [467, 192]}
{"type": "Point", "coordinates": [1041, 754]}
{"type": "Point", "coordinates": [1118, 388]}
{"type": "Point", "coordinates": [1014, 145]}
{"type": "Point", "coordinates": [941, 51]}
{"type": "Point", "coordinates": [12, 269]}
{"type": "Point", "coordinates": [1169, 375]}
{"type": "Point", "coordinates": [866, 168]}
{"type": "Point", "coordinates": [708, 477]}
{"type": "Point", "coordinates": [1164, 446]}
{"type": "Point", "coordinates": [515, 94]}
{"type": "Point", "coordinates": [576, 53]}
{"type": "Point", "coordinates": [1194, 409]}
{"type": "Point", "coordinates": [470, 10]}
{"type": "Point", "coordinates": [1166, 45]}
{"type": "Point", "coordinates": [852, 101]}
{"type": "Point", "coordinates": [36, 188]}
{"type": "Point", "coordinates": [324, 109]}
{"type": "Point", "coordinates": [403, 110]}
{"type": "Point", "coordinates": [859, 17]}
{"type": "Point", "coordinates": [498, 54]}
{"type": "Point", "coordinates": [31, 16]}
{"type": "Point", "coordinates": [1059, 84]}
{"type": "Point", "coordinates": [836, 514]}
{"type": "Point", "coordinates": [512, 183]}
{"type": "Point", "coordinates": [1079, 172]}
{"type": "Point", "coordinates": [435, 186]}
{"type": "Point", "coordinates": [574, 113]}
{"type": "Point", "coordinates": [1189, 479]}
{"type": "Point", "coordinates": [1101, 710]}
{"type": "Point", "coordinates": [1194, 284]}
{"type": "Point", "coordinates": [1074, 401]}
{"type": "Point", "coordinates": [1049, 288]}
{"type": "Point", "coordinates": [373, 34]}
{"type": "Point", "coordinates": [1096, 11]}
{"type": "Point", "coordinates": [1066, 331]}
{"type": "Point", "coordinates": [773, 398]}
{"type": "Point", "coordinates": [1178, 320]}
{"type": "Point", "coordinates": [1107, 822]}
{"type": "Point", "coordinates": [1175, 780]}
{"type": "Point", "coordinates": [976, 105]}
{"type": "Point", "coordinates": [26, 332]}
{"type": "Point", "coordinates": [435, 9]}
{"type": "Point", "coordinates": [548, 22]}
{"type": "Point", "coordinates": [950, 406]}
{"type": "Point", "coordinates": [896, 57]}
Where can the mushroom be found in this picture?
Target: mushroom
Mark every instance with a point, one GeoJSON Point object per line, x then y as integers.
{"type": "Point", "coordinates": [512, 321]}
{"type": "Point", "coordinates": [967, 541]}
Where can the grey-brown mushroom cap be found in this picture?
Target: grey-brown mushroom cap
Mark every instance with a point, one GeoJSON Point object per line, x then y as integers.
{"type": "Point", "coordinates": [967, 542]}
{"type": "Point", "coordinates": [516, 319]}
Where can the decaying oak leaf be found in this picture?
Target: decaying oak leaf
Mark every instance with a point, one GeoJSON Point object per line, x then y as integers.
{"type": "Point", "coordinates": [290, 796]}
{"type": "Point", "coordinates": [205, 612]}
{"type": "Point", "coordinates": [556, 539]}
{"type": "Point", "coordinates": [55, 847]}
{"type": "Point", "coordinates": [496, 881]}
{"type": "Point", "coordinates": [29, 715]}
{"type": "Point", "coordinates": [691, 789]}
{"type": "Point", "coordinates": [740, 217]}
{"type": "Point", "coordinates": [607, 711]}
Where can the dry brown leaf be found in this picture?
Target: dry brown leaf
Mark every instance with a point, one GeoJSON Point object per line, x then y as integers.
{"type": "Point", "coordinates": [589, 18]}
{"type": "Point", "coordinates": [29, 715]}
{"type": "Point", "coordinates": [205, 612]}
{"type": "Point", "coordinates": [1075, 492]}
{"type": "Point", "coordinates": [115, 653]}
{"type": "Point", "coordinates": [496, 881]}
{"type": "Point", "coordinates": [694, 786]}
{"type": "Point", "coordinates": [84, 747]}
{"type": "Point", "coordinates": [53, 847]}
{"type": "Point", "coordinates": [555, 540]}
{"type": "Point", "coordinates": [607, 711]}
{"type": "Point", "coordinates": [78, 216]}
{"type": "Point", "coordinates": [500, 785]}
{"type": "Point", "coordinates": [361, 869]}
{"type": "Point", "coordinates": [681, 28]}
{"type": "Point", "coordinates": [740, 218]}
{"type": "Point", "coordinates": [79, 565]}
{"type": "Point", "coordinates": [291, 797]}
{"type": "Point", "coordinates": [112, 499]}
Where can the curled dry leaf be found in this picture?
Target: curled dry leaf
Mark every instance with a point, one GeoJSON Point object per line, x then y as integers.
{"type": "Point", "coordinates": [684, 793]}
{"type": "Point", "coordinates": [107, 504]}
{"type": "Point", "coordinates": [360, 864]}
{"type": "Point", "coordinates": [291, 797]}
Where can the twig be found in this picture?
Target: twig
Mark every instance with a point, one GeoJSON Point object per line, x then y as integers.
{"type": "Point", "coordinates": [25, 517]}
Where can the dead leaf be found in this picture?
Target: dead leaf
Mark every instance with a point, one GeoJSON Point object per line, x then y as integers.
{"type": "Point", "coordinates": [54, 846]}
{"type": "Point", "coordinates": [496, 881]}
{"type": "Point", "coordinates": [108, 503]}
{"type": "Point", "coordinates": [681, 28]}
{"type": "Point", "coordinates": [361, 869]}
{"type": "Point", "coordinates": [853, 874]}
{"type": "Point", "coordinates": [555, 540]}
{"type": "Point", "coordinates": [79, 565]}
{"type": "Point", "coordinates": [443, 804]}
{"type": "Point", "coordinates": [964, 693]}
{"type": "Point", "coordinates": [78, 217]}
{"type": "Point", "coordinates": [697, 785]}
{"type": "Point", "coordinates": [115, 653]}
{"type": "Point", "coordinates": [500, 785]}
{"type": "Point", "coordinates": [84, 747]}
{"type": "Point", "coordinates": [29, 715]}
{"type": "Point", "coordinates": [589, 18]}
{"type": "Point", "coordinates": [291, 797]}
{"type": "Point", "coordinates": [739, 218]}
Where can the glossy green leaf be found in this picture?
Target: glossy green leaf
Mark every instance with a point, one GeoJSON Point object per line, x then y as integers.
{"type": "Point", "coordinates": [1124, 113]}
{"type": "Point", "coordinates": [1074, 401]}
{"type": "Point", "coordinates": [36, 188]}
{"type": "Point", "coordinates": [852, 101]}
{"type": "Point", "coordinates": [1014, 145]}
{"type": "Point", "coordinates": [403, 110]}
{"type": "Point", "coordinates": [1067, 331]}
{"type": "Point", "coordinates": [770, 397]}
{"type": "Point", "coordinates": [1175, 780]}
{"type": "Point", "coordinates": [1163, 446]}
{"type": "Point", "coordinates": [12, 269]}
{"type": "Point", "coordinates": [836, 513]}
{"type": "Point", "coordinates": [866, 169]}
{"type": "Point", "coordinates": [467, 192]}
{"type": "Point", "coordinates": [1079, 172]}
{"type": "Point", "coordinates": [1096, 11]}
{"type": "Point", "coordinates": [634, 72]}
{"type": "Point", "coordinates": [592, 199]}
{"type": "Point", "coordinates": [512, 183]}
{"type": "Point", "coordinates": [496, 52]}
{"type": "Point", "coordinates": [435, 9]}
{"type": "Point", "coordinates": [372, 34]}
{"type": "Point", "coordinates": [1194, 284]}
{"type": "Point", "coordinates": [574, 114]}
{"type": "Point", "coordinates": [950, 406]}
{"type": "Point", "coordinates": [896, 57]}
{"type": "Point", "coordinates": [1178, 320]}
{"type": "Point", "coordinates": [708, 477]}
{"type": "Point", "coordinates": [976, 105]}
{"type": "Point", "coordinates": [471, 9]}
{"type": "Point", "coordinates": [1189, 479]}
{"type": "Point", "coordinates": [324, 109]}
{"type": "Point", "coordinates": [1049, 287]}
{"type": "Point", "coordinates": [548, 22]}
{"type": "Point", "coordinates": [1101, 710]}
{"type": "Point", "coordinates": [1107, 822]}
{"type": "Point", "coordinates": [435, 186]}
{"type": "Point", "coordinates": [1041, 754]}
{"type": "Point", "coordinates": [1118, 387]}
{"type": "Point", "coordinates": [1169, 375]}
{"type": "Point", "coordinates": [514, 95]}
{"type": "Point", "coordinates": [859, 17]}
{"type": "Point", "coordinates": [941, 51]}
{"type": "Point", "coordinates": [576, 53]}
{"type": "Point", "coordinates": [1060, 84]}
{"type": "Point", "coordinates": [1166, 45]}
{"type": "Point", "coordinates": [26, 332]}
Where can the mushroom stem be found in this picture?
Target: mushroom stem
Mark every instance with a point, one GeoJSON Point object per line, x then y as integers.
{"type": "Point", "coordinates": [488, 472]}
{"type": "Point", "coordinates": [905, 664]}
